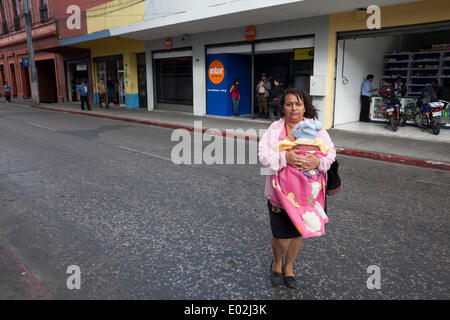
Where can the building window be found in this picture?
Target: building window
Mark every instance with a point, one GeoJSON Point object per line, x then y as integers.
{"type": "Point", "coordinates": [44, 10]}
{"type": "Point", "coordinates": [4, 26]}
{"type": "Point", "coordinates": [17, 26]}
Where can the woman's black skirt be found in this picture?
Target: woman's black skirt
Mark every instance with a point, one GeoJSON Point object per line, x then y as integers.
{"type": "Point", "coordinates": [281, 224]}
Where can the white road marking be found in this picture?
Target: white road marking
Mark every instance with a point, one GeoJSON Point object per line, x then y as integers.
{"type": "Point", "coordinates": [40, 126]}
{"type": "Point", "coordinates": [144, 153]}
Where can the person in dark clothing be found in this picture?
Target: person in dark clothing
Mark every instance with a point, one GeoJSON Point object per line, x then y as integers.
{"type": "Point", "coordinates": [367, 91]}
{"type": "Point", "coordinates": [399, 87]}
{"type": "Point", "coordinates": [430, 92]}
{"type": "Point", "coordinates": [274, 100]}
{"type": "Point", "coordinates": [444, 91]}
{"type": "Point", "coordinates": [83, 90]}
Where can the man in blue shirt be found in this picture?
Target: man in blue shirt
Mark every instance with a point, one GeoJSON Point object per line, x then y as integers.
{"type": "Point", "coordinates": [83, 90]}
{"type": "Point", "coordinates": [366, 93]}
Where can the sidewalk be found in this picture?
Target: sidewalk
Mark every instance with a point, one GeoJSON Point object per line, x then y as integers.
{"type": "Point", "coordinates": [422, 150]}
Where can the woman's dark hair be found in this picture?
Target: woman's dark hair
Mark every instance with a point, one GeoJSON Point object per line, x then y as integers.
{"type": "Point", "coordinates": [310, 110]}
{"type": "Point", "coordinates": [370, 76]}
{"type": "Point", "coordinates": [235, 80]}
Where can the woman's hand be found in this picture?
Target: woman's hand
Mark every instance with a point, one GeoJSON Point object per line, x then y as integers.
{"type": "Point", "coordinates": [293, 159]}
{"type": "Point", "coordinates": [308, 162]}
{"type": "Point", "coordinates": [305, 162]}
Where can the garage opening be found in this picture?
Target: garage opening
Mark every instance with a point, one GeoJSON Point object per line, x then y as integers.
{"type": "Point", "coordinates": [416, 54]}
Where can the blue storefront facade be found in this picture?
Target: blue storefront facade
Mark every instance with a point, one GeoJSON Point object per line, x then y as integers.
{"type": "Point", "coordinates": [218, 97]}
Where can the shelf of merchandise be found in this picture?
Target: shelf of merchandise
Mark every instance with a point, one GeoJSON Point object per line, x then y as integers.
{"type": "Point", "coordinates": [416, 68]}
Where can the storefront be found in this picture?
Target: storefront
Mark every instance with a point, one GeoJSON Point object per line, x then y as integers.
{"type": "Point", "coordinates": [417, 53]}
{"type": "Point", "coordinates": [76, 72]}
{"type": "Point", "coordinates": [291, 51]}
{"type": "Point", "coordinates": [280, 59]}
{"type": "Point", "coordinates": [173, 79]}
{"type": "Point", "coordinates": [412, 43]}
{"type": "Point", "coordinates": [111, 70]}
{"type": "Point", "coordinates": [118, 61]}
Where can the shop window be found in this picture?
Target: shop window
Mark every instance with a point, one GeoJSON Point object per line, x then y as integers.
{"type": "Point", "coordinates": [174, 81]}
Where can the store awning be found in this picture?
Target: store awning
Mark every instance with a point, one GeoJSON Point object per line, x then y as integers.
{"type": "Point", "coordinates": [234, 14]}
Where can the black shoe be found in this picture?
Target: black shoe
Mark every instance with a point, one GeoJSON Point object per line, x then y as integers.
{"type": "Point", "coordinates": [290, 281]}
{"type": "Point", "coordinates": [276, 278]}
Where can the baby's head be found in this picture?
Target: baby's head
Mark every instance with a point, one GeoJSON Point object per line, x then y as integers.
{"type": "Point", "coordinates": [307, 129]}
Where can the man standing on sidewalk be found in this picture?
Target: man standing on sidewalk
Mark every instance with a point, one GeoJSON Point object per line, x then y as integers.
{"type": "Point", "coordinates": [263, 90]}
{"type": "Point", "coordinates": [102, 94]}
{"type": "Point", "coordinates": [83, 90]}
{"type": "Point", "coordinates": [7, 89]}
{"type": "Point", "coordinates": [366, 93]}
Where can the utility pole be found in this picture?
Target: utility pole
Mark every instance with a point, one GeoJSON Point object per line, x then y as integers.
{"type": "Point", "coordinates": [34, 78]}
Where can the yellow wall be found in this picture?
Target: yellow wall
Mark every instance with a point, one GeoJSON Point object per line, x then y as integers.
{"type": "Point", "coordinates": [114, 46]}
{"type": "Point", "coordinates": [114, 14]}
{"type": "Point", "coordinates": [425, 11]}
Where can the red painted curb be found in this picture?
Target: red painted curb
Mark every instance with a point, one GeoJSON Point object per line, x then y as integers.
{"type": "Point", "coordinates": [344, 151]}
{"type": "Point", "coordinates": [33, 288]}
{"type": "Point", "coordinates": [394, 158]}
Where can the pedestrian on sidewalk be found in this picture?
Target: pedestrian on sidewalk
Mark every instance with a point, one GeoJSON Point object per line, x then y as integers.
{"type": "Point", "coordinates": [275, 96]}
{"type": "Point", "coordinates": [83, 90]}
{"type": "Point", "coordinates": [367, 91]}
{"type": "Point", "coordinates": [102, 94]}
{"type": "Point", "coordinates": [235, 96]}
{"type": "Point", "coordinates": [7, 90]}
{"type": "Point", "coordinates": [263, 90]}
{"type": "Point", "coordinates": [295, 106]}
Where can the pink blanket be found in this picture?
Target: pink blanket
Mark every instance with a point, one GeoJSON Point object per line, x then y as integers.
{"type": "Point", "coordinates": [302, 195]}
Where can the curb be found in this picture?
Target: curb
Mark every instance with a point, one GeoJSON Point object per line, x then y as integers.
{"type": "Point", "coordinates": [32, 288]}
{"type": "Point", "coordinates": [339, 150]}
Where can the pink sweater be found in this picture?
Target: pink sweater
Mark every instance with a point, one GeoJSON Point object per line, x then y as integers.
{"type": "Point", "coordinates": [275, 161]}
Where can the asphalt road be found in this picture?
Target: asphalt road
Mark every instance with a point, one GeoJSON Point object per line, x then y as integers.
{"type": "Point", "coordinates": [105, 196]}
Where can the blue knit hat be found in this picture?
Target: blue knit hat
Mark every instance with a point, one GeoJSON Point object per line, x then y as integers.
{"type": "Point", "coordinates": [306, 129]}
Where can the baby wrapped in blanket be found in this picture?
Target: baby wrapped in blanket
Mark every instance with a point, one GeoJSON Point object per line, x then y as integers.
{"type": "Point", "coordinates": [302, 194]}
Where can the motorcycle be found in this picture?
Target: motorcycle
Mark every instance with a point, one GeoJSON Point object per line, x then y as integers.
{"type": "Point", "coordinates": [391, 108]}
{"type": "Point", "coordinates": [429, 115]}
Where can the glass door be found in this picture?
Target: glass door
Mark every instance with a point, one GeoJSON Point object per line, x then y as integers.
{"type": "Point", "coordinates": [121, 82]}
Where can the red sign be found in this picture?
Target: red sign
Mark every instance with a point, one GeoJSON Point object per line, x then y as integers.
{"type": "Point", "coordinates": [168, 43]}
{"type": "Point", "coordinates": [39, 32]}
{"type": "Point", "coordinates": [250, 33]}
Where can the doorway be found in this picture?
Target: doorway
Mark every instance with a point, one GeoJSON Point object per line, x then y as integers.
{"type": "Point", "coordinates": [174, 84]}
{"type": "Point", "coordinates": [112, 71]}
{"type": "Point", "coordinates": [77, 71]}
{"type": "Point", "coordinates": [142, 80]}
{"type": "Point", "coordinates": [13, 80]}
{"type": "Point", "coordinates": [47, 81]}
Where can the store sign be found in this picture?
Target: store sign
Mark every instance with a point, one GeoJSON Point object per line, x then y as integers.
{"type": "Point", "coordinates": [216, 72]}
{"type": "Point", "coordinates": [168, 43]}
{"type": "Point", "coordinates": [37, 33]}
{"type": "Point", "coordinates": [81, 67]}
{"type": "Point", "coordinates": [304, 54]}
{"type": "Point", "coordinates": [25, 62]}
{"type": "Point", "coordinates": [250, 33]}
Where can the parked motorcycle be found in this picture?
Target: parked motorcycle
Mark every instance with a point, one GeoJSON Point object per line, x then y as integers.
{"type": "Point", "coordinates": [429, 115]}
{"type": "Point", "coordinates": [391, 108]}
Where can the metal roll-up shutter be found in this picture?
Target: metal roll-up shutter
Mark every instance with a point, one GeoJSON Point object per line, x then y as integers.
{"type": "Point", "coordinates": [175, 53]}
